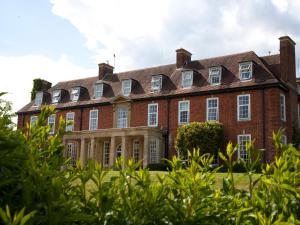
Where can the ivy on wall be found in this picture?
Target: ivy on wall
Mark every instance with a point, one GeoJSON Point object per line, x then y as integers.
{"type": "Point", "coordinates": [39, 85]}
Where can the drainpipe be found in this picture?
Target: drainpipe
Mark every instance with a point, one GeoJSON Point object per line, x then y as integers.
{"type": "Point", "coordinates": [80, 127]}
{"type": "Point", "coordinates": [264, 125]}
{"type": "Point", "coordinates": [168, 128]}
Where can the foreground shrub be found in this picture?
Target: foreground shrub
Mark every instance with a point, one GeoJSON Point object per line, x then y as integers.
{"type": "Point", "coordinates": [185, 195]}
{"type": "Point", "coordinates": [207, 136]}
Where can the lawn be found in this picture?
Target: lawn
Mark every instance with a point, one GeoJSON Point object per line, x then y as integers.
{"type": "Point", "coordinates": [240, 179]}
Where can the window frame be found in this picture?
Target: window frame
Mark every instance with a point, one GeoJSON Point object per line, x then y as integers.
{"type": "Point", "coordinates": [96, 119]}
{"type": "Point", "coordinates": [72, 152]}
{"type": "Point", "coordinates": [106, 153]}
{"type": "Point", "coordinates": [73, 95]}
{"type": "Point", "coordinates": [52, 128]}
{"type": "Point", "coordinates": [38, 101]}
{"type": "Point", "coordinates": [123, 118]}
{"type": "Point", "coordinates": [136, 151]}
{"type": "Point", "coordinates": [284, 139]}
{"type": "Point", "coordinates": [123, 87]}
{"type": "Point", "coordinates": [282, 113]}
{"type": "Point", "coordinates": [188, 112]}
{"type": "Point", "coordinates": [241, 71]}
{"type": "Point", "coordinates": [183, 78]}
{"type": "Point", "coordinates": [238, 108]}
{"type": "Point", "coordinates": [159, 77]}
{"type": "Point", "coordinates": [57, 98]}
{"type": "Point", "coordinates": [211, 74]}
{"type": "Point", "coordinates": [156, 115]}
{"type": "Point", "coordinates": [153, 152]}
{"type": "Point", "coordinates": [97, 91]}
{"type": "Point", "coordinates": [207, 109]}
{"type": "Point", "coordinates": [32, 123]}
{"type": "Point", "coordinates": [71, 126]}
{"type": "Point", "coordinates": [239, 143]}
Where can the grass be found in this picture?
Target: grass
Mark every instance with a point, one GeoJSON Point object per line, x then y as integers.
{"type": "Point", "coordinates": [240, 179]}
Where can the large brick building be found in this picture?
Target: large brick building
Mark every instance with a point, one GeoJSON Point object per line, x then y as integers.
{"type": "Point", "coordinates": [136, 113]}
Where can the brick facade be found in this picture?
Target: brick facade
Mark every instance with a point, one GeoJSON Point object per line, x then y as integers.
{"type": "Point", "coordinates": [264, 102]}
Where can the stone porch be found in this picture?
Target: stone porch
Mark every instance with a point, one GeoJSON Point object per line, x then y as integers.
{"type": "Point", "coordinates": [105, 145]}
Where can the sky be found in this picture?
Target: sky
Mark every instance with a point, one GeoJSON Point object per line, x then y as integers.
{"type": "Point", "coordinates": [60, 40]}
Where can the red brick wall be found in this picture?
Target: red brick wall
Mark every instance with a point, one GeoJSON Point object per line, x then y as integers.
{"type": "Point", "coordinates": [260, 126]}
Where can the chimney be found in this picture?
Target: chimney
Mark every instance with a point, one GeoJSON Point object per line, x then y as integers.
{"type": "Point", "coordinates": [287, 60]}
{"type": "Point", "coordinates": [183, 58]}
{"type": "Point", "coordinates": [104, 69]}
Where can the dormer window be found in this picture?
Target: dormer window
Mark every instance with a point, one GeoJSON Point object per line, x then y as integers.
{"type": "Point", "coordinates": [187, 79]}
{"type": "Point", "coordinates": [156, 83]}
{"type": "Point", "coordinates": [75, 94]}
{"type": "Point", "coordinates": [56, 95]}
{"type": "Point", "coordinates": [246, 71]}
{"type": "Point", "coordinates": [215, 75]}
{"type": "Point", "coordinates": [126, 87]}
{"type": "Point", "coordinates": [38, 98]}
{"type": "Point", "coordinates": [98, 90]}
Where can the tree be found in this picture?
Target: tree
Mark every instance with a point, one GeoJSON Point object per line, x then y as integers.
{"type": "Point", "coordinates": [208, 136]}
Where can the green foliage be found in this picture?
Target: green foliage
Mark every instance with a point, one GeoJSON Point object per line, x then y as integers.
{"type": "Point", "coordinates": [39, 85]}
{"type": "Point", "coordinates": [208, 136]}
{"type": "Point", "coordinates": [39, 192]}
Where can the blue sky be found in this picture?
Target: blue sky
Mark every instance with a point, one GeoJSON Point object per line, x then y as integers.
{"type": "Point", "coordinates": [60, 40]}
{"type": "Point", "coordinates": [30, 27]}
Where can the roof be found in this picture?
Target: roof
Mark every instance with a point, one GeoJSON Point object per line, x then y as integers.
{"type": "Point", "coordinates": [266, 71]}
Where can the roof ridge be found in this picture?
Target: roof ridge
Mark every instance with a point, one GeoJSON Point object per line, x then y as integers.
{"type": "Point", "coordinates": [229, 55]}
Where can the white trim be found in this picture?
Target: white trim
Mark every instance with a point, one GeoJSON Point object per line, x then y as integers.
{"type": "Point", "coordinates": [52, 128]}
{"type": "Point", "coordinates": [160, 83]}
{"type": "Point", "coordinates": [156, 118]}
{"type": "Point", "coordinates": [120, 120]}
{"type": "Point", "coordinates": [282, 116]}
{"type": "Point", "coordinates": [106, 153]}
{"type": "Point", "coordinates": [183, 74]}
{"type": "Point", "coordinates": [73, 95]}
{"type": "Point", "coordinates": [251, 70]}
{"type": "Point", "coordinates": [101, 86]}
{"type": "Point", "coordinates": [211, 74]}
{"type": "Point", "coordinates": [238, 141]}
{"type": "Point", "coordinates": [35, 118]}
{"type": "Point", "coordinates": [56, 99]}
{"type": "Point", "coordinates": [70, 127]}
{"type": "Point", "coordinates": [188, 115]}
{"type": "Point", "coordinates": [123, 86]}
{"type": "Point", "coordinates": [214, 98]}
{"type": "Point", "coordinates": [38, 98]}
{"type": "Point", "coordinates": [238, 108]}
{"type": "Point", "coordinates": [91, 111]}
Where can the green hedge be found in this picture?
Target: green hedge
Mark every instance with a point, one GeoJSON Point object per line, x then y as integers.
{"type": "Point", "coordinates": [208, 136]}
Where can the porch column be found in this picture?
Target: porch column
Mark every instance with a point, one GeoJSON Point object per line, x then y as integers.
{"type": "Point", "coordinates": [92, 156]}
{"type": "Point", "coordinates": [145, 152]}
{"type": "Point", "coordinates": [124, 150]}
{"type": "Point", "coordinates": [82, 153]}
{"type": "Point", "coordinates": [112, 151]}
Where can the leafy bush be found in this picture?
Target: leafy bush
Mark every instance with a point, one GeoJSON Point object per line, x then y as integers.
{"type": "Point", "coordinates": [208, 136]}
{"type": "Point", "coordinates": [43, 194]}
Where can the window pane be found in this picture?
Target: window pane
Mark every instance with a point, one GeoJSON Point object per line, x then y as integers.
{"type": "Point", "coordinates": [153, 150]}
{"type": "Point", "coordinates": [38, 98]}
{"type": "Point", "coordinates": [244, 107]}
{"type": "Point", "coordinates": [187, 79]}
{"type": "Point", "coordinates": [98, 90]}
{"type": "Point", "coordinates": [242, 140]}
{"type": "Point", "coordinates": [246, 71]}
{"type": "Point", "coordinates": [106, 153]}
{"type": "Point", "coordinates": [93, 119]}
{"type": "Point", "coordinates": [126, 87]}
{"type": "Point", "coordinates": [70, 118]}
{"type": "Point", "coordinates": [156, 83]}
{"type": "Point", "coordinates": [51, 122]}
{"type": "Point", "coordinates": [122, 118]}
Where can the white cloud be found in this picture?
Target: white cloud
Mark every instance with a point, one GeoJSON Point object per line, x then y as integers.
{"type": "Point", "coordinates": [19, 72]}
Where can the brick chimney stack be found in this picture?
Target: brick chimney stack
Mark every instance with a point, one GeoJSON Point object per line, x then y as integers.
{"type": "Point", "coordinates": [183, 58]}
{"type": "Point", "coordinates": [287, 60]}
{"type": "Point", "coordinates": [105, 69]}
